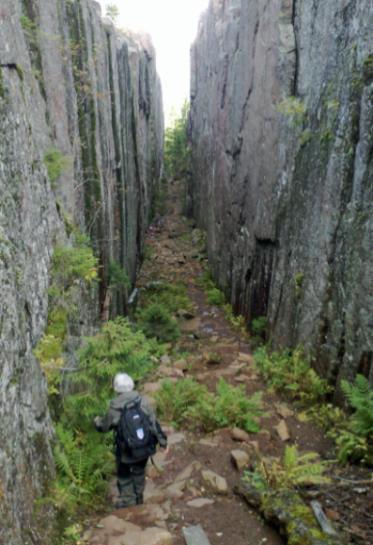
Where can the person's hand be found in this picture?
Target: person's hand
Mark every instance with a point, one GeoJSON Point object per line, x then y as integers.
{"type": "Point", "coordinates": [166, 450]}
{"type": "Point", "coordinates": [97, 420]}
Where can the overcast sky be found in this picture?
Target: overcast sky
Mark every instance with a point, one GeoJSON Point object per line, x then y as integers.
{"type": "Point", "coordinates": [172, 25]}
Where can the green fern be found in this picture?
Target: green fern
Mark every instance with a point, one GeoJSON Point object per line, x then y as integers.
{"type": "Point", "coordinates": [289, 371]}
{"type": "Point", "coordinates": [360, 397]}
{"type": "Point", "coordinates": [294, 470]}
{"type": "Point", "coordinates": [355, 443]}
{"type": "Point", "coordinates": [190, 404]}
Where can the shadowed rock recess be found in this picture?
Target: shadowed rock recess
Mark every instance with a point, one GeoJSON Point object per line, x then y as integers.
{"type": "Point", "coordinates": [281, 130]}
{"type": "Point", "coordinates": [70, 83]}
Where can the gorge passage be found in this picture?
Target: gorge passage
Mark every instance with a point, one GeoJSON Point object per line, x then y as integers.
{"type": "Point", "coordinates": [280, 136]}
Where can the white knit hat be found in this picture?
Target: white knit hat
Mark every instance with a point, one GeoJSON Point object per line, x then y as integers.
{"type": "Point", "coordinates": [123, 383]}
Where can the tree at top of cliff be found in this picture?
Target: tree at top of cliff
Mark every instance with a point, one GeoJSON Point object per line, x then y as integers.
{"type": "Point", "coordinates": [176, 154]}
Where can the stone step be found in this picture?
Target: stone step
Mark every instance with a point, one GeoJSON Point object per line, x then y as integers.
{"type": "Point", "coordinates": [195, 535]}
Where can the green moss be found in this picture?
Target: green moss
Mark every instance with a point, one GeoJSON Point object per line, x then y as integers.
{"type": "Point", "coordinates": [294, 109]}
{"type": "Point", "coordinates": [56, 163]}
{"type": "Point", "coordinates": [298, 283]}
{"type": "Point", "coordinates": [368, 69]}
{"type": "Point", "coordinates": [20, 72]}
{"type": "Point", "coordinates": [2, 87]}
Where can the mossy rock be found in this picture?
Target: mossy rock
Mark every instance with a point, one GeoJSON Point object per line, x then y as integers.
{"type": "Point", "coordinates": [287, 511]}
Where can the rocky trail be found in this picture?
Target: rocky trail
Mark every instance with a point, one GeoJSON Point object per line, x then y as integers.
{"type": "Point", "coordinates": [194, 482]}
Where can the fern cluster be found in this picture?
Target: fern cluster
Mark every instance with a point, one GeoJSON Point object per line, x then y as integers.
{"type": "Point", "coordinates": [84, 457]}
{"type": "Point", "coordinates": [172, 297]}
{"type": "Point", "coordinates": [156, 322]}
{"type": "Point", "coordinates": [291, 372]}
{"type": "Point", "coordinates": [72, 268]}
{"type": "Point", "coordinates": [292, 471]}
{"type": "Point", "coordinates": [355, 442]}
{"type": "Point", "coordinates": [188, 403]}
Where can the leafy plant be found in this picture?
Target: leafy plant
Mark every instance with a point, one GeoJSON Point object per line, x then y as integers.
{"type": "Point", "coordinates": [294, 470]}
{"type": "Point", "coordinates": [156, 322]}
{"type": "Point", "coordinates": [234, 408]}
{"type": "Point", "coordinates": [360, 397]}
{"type": "Point", "coordinates": [83, 457]}
{"type": "Point", "coordinates": [179, 402]}
{"type": "Point", "coordinates": [294, 109]}
{"type": "Point", "coordinates": [259, 325]}
{"type": "Point", "coordinates": [112, 12]}
{"type": "Point", "coordinates": [298, 283]}
{"type": "Point", "coordinates": [291, 372]}
{"type": "Point", "coordinates": [190, 404]}
{"type": "Point", "coordinates": [173, 297]}
{"type": "Point", "coordinates": [72, 266]}
{"type": "Point", "coordinates": [355, 442]}
{"type": "Point", "coordinates": [56, 163]}
{"type": "Point", "coordinates": [215, 297]}
{"type": "Point", "coordinates": [176, 151]}
{"type": "Point", "coordinates": [237, 321]}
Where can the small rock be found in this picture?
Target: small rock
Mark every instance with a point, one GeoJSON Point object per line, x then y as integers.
{"type": "Point", "coordinates": [255, 446]}
{"type": "Point", "coordinates": [240, 459]}
{"type": "Point", "coordinates": [176, 490]}
{"type": "Point", "coordinates": [115, 525]}
{"type": "Point", "coordinates": [165, 360]}
{"type": "Point", "coordinates": [153, 494]}
{"type": "Point", "coordinates": [176, 438]}
{"type": "Point", "coordinates": [283, 431]}
{"type": "Point", "coordinates": [165, 371]}
{"type": "Point", "coordinates": [239, 435]}
{"type": "Point", "coordinates": [214, 339]}
{"type": "Point", "coordinates": [283, 410]}
{"type": "Point", "coordinates": [150, 536]}
{"type": "Point", "coordinates": [245, 357]}
{"type": "Point", "coordinates": [218, 483]}
{"type": "Point", "coordinates": [241, 379]}
{"type": "Point", "coordinates": [181, 364]}
{"type": "Point", "coordinates": [207, 443]}
{"type": "Point", "coordinates": [151, 387]}
{"type": "Point", "coordinates": [200, 502]}
{"type": "Point", "coordinates": [188, 471]}
{"type": "Point", "coordinates": [186, 314]}
{"type": "Point", "coordinates": [332, 515]}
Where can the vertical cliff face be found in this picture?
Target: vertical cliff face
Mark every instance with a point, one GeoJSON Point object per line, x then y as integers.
{"type": "Point", "coordinates": [74, 89]}
{"type": "Point", "coordinates": [281, 128]}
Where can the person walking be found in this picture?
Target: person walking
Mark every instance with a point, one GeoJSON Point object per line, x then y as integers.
{"type": "Point", "coordinates": [137, 432]}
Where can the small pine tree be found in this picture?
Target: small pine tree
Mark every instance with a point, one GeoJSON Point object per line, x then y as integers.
{"type": "Point", "coordinates": [112, 12]}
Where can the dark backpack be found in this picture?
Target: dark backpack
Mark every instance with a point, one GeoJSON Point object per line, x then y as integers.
{"type": "Point", "coordinates": [135, 437]}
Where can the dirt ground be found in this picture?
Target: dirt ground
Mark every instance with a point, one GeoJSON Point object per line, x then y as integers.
{"type": "Point", "coordinates": [174, 255]}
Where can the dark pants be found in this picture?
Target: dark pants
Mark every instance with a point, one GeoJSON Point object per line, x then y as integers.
{"type": "Point", "coordinates": [131, 482]}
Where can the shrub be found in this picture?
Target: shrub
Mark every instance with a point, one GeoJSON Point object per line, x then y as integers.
{"type": "Point", "coordinates": [234, 408]}
{"type": "Point", "coordinates": [84, 457]}
{"type": "Point", "coordinates": [360, 398]}
{"type": "Point", "coordinates": [259, 325]}
{"type": "Point", "coordinates": [172, 297]}
{"type": "Point", "coordinates": [294, 470]}
{"type": "Point", "coordinates": [185, 402]}
{"type": "Point", "coordinates": [56, 163]}
{"type": "Point", "coordinates": [291, 372]}
{"type": "Point", "coordinates": [355, 442]}
{"type": "Point", "coordinates": [156, 322]}
{"type": "Point", "coordinates": [215, 297]}
{"type": "Point", "coordinates": [118, 278]}
{"type": "Point", "coordinates": [190, 404]}
{"type": "Point", "coordinates": [176, 151]}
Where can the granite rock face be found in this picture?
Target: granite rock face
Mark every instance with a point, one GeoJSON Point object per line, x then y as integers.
{"type": "Point", "coordinates": [68, 82]}
{"type": "Point", "coordinates": [281, 130]}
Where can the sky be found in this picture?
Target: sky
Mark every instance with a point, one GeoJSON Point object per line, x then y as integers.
{"type": "Point", "coordinates": [173, 26]}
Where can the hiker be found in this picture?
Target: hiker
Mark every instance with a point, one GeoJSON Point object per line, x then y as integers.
{"type": "Point", "coordinates": [137, 433]}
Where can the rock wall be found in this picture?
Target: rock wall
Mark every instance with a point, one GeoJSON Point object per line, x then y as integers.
{"type": "Point", "coordinates": [281, 131]}
{"type": "Point", "coordinates": [68, 82]}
